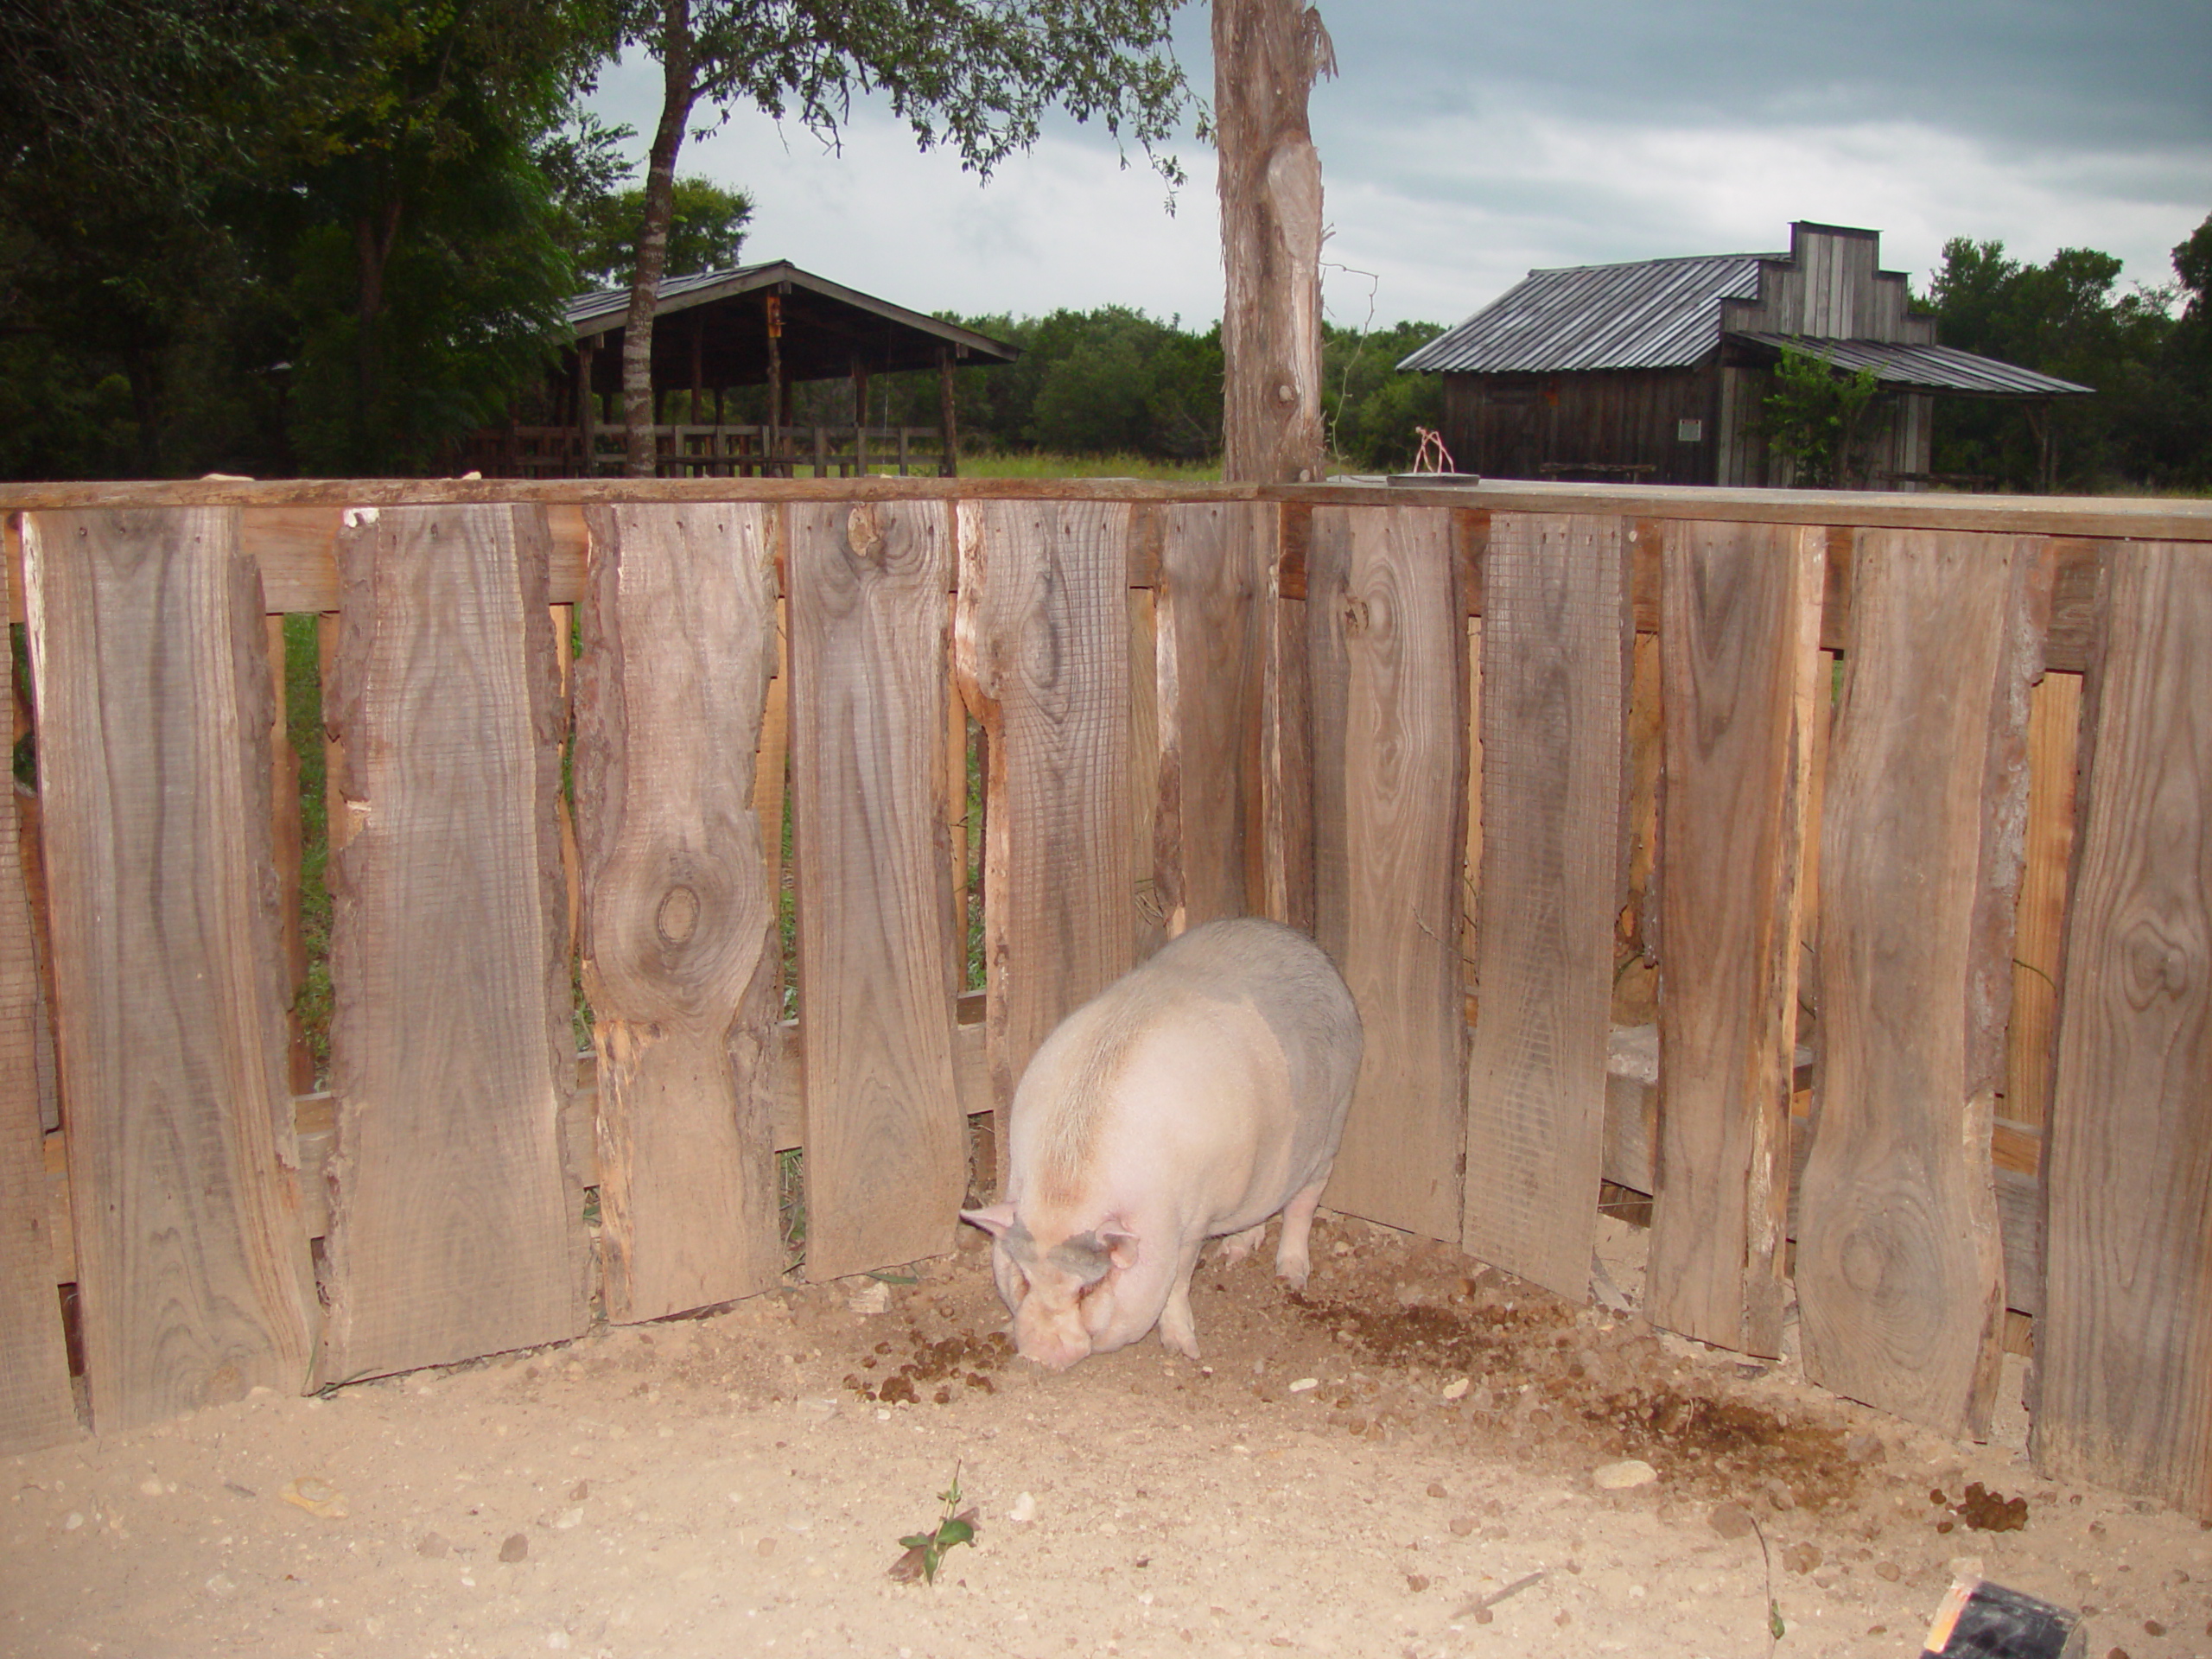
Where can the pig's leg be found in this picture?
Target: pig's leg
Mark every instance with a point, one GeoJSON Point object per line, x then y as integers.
{"type": "Point", "coordinates": [1291, 1260]}
{"type": "Point", "coordinates": [1237, 1246]}
{"type": "Point", "coordinates": [1177, 1329]}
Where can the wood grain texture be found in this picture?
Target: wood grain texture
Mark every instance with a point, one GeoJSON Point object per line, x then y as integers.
{"type": "Point", "coordinates": [680, 946]}
{"type": "Point", "coordinates": [1211, 674]}
{"type": "Point", "coordinates": [2124, 1343]}
{"type": "Point", "coordinates": [1389, 724]}
{"type": "Point", "coordinates": [1900, 1269]}
{"type": "Point", "coordinates": [1557, 635]}
{"type": "Point", "coordinates": [455, 1228]}
{"type": "Point", "coordinates": [36, 1406]}
{"type": "Point", "coordinates": [1287, 736]}
{"type": "Point", "coordinates": [887, 1145]}
{"type": "Point", "coordinates": [2054, 756]}
{"type": "Point", "coordinates": [1739, 644]}
{"type": "Point", "coordinates": [153, 704]}
{"type": "Point", "coordinates": [1041, 635]}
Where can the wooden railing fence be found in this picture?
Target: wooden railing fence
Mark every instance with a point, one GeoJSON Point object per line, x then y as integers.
{"type": "Point", "coordinates": [1905, 795]}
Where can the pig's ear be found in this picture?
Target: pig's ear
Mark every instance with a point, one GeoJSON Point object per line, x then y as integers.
{"type": "Point", "coordinates": [994, 1220]}
{"type": "Point", "coordinates": [1120, 1244]}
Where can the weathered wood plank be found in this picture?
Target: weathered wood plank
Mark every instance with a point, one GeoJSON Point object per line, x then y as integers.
{"type": "Point", "coordinates": [1739, 644]}
{"type": "Point", "coordinates": [1287, 735]}
{"type": "Point", "coordinates": [1043, 656]}
{"type": "Point", "coordinates": [36, 1408]}
{"type": "Point", "coordinates": [1557, 634]}
{"type": "Point", "coordinates": [154, 705]}
{"type": "Point", "coordinates": [2124, 1343]}
{"type": "Point", "coordinates": [887, 1146]}
{"type": "Point", "coordinates": [1389, 724]}
{"type": "Point", "coordinates": [2054, 744]}
{"type": "Point", "coordinates": [1212, 671]}
{"type": "Point", "coordinates": [680, 946]}
{"type": "Point", "coordinates": [1900, 1266]}
{"type": "Point", "coordinates": [456, 1231]}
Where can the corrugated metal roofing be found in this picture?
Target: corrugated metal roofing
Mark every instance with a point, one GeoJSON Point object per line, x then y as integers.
{"type": "Point", "coordinates": [1936, 368]}
{"type": "Point", "coordinates": [605, 309]}
{"type": "Point", "coordinates": [1654, 314]}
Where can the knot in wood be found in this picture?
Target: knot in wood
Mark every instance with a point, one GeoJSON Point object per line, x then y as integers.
{"type": "Point", "coordinates": [865, 534]}
{"type": "Point", "coordinates": [678, 919]}
{"type": "Point", "coordinates": [1286, 393]}
{"type": "Point", "coordinates": [1356, 616]}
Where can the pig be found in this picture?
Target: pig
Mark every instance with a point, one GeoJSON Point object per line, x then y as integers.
{"type": "Point", "coordinates": [1192, 1099]}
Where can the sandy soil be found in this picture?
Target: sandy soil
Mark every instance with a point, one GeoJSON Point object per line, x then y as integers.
{"type": "Point", "coordinates": [1401, 1463]}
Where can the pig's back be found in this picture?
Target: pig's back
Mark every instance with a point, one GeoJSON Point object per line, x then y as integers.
{"type": "Point", "coordinates": [1217, 999]}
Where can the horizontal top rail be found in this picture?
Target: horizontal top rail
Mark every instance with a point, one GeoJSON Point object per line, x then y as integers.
{"type": "Point", "coordinates": [2131, 517]}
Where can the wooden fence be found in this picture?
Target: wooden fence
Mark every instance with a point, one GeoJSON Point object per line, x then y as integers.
{"type": "Point", "coordinates": [1905, 795]}
{"type": "Point", "coordinates": [706, 450]}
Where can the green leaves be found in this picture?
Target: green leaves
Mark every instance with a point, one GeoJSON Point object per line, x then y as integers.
{"type": "Point", "coordinates": [1813, 416]}
{"type": "Point", "coordinates": [925, 1550]}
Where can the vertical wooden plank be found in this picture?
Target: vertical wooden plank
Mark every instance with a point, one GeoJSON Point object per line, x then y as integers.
{"type": "Point", "coordinates": [1043, 650]}
{"type": "Point", "coordinates": [886, 1153]}
{"type": "Point", "coordinates": [1388, 626]}
{"type": "Point", "coordinates": [2124, 1343]}
{"type": "Point", "coordinates": [1900, 1266]}
{"type": "Point", "coordinates": [1211, 686]}
{"type": "Point", "coordinates": [153, 695]}
{"type": "Point", "coordinates": [284, 834]}
{"type": "Point", "coordinates": [36, 1408]}
{"type": "Point", "coordinates": [455, 1230]}
{"type": "Point", "coordinates": [1739, 644]}
{"type": "Point", "coordinates": [1152, 853]}
{"type": "Point", "coordinates": [1287, 727]}
{"type": "Point", "coordinates": [1557, 633]}
{"type": "Point", "coordinates": [2054, 738]}
{"type": "Point", "coordinates": [680, 950]}
{"type": "Point", "coordinates": [1470, 869]}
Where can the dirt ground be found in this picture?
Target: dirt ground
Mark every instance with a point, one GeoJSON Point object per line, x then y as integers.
{"type": "Point", "coordinates": [1410, 1460]}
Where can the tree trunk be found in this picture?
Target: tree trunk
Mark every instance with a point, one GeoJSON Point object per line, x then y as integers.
{"type": "Point", "coordinates": [680, 89]}
{"type": "Point", "coordinates": [1267, 54]}
{"type": "Point", "coordinates": [374, 237]}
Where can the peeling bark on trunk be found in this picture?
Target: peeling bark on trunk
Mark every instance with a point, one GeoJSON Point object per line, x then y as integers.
{"type": "Point", "coordinates": [1266, 55]}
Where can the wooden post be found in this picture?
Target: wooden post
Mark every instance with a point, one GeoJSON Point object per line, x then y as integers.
{"type": "Point", "coordinates": [1267, 54]}
{"type": "Point", "coordinates": [775, 325]}
{"type": "Point", "coordinates": [948, 428]}
{"type": "Point", "coordinates": [860, 417]}
{"type": "Point", "coordinates": [587, 415]}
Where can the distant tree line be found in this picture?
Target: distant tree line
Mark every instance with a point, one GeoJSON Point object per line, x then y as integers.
{"type": "Point", "coordinates": [332, 236]}
{"type": "Point", "coordinates": [2147, 353]}
{"type": "Point", "coordinates": [1115, 381]}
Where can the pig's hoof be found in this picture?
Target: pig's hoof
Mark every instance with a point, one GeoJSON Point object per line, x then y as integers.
{"type": "Point", "coordinates": [1294, 1273]}
{"type": "Point", "coordinates": [1237, 1246]}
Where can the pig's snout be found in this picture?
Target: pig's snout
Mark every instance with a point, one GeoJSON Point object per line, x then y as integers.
{"type": "Point", "coordinates": [1054, 1336]}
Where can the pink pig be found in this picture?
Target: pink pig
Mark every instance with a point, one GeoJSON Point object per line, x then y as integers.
{"type": "Point", "coordinates": [1193, 1098]}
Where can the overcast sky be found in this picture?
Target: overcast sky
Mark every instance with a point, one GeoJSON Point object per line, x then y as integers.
{"type": "Point", "coordinates": [1463, 144]}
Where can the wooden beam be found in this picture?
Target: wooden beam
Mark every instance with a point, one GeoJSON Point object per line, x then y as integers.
{"type": "Point", "coordinates": [1900, 1269]}
{"type": "Point", "coordinates": [887, 1162]}
{"type": "Point", "coordinates": [150, 652]}
{"type": "Point", "coordinates": [2124, 1347]}
{"type": "Point", "coordinates": [680, 946]}
{"type": "Point", "coordinates": [1556, 645]}
{"type": "Point", "coordinates": [1740, 654]}
{"type": "Point", "coordinates": [457, 1230]}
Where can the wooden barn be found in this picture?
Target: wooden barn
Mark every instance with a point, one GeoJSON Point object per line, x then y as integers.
{"type": "Point", "coordinates": [717, 332]}
{"type": "Point", "coordinates": [1656, 371]}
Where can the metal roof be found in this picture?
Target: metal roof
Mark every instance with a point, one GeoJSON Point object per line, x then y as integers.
{"type": "Point", "coordinates": [1654, 314]}
{"type": "Point", "coordinates": [1932, 368]}
{"type": "Point", "coordinates": [606, 310]}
